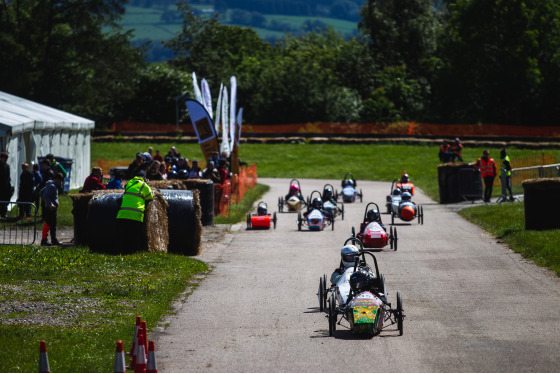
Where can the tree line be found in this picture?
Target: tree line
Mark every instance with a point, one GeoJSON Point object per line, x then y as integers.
{"type": "Point", "coordinates": [454, 61]}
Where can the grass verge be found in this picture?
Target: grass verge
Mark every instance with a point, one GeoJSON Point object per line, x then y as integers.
{"type": "Point", "coordinates": [507, 223]}
{"type": "Point", "coordinates": [238, 212]}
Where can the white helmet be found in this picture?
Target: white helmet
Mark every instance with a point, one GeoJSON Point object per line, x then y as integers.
{"type": "Point", "coordinates": [348, 254]}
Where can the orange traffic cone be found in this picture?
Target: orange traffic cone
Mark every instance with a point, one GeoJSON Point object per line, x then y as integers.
{"type": "Point", "coordinates": [138, 323]}
{"type": "Point", "coordinates": [43, 358]}
{"type": "Point", "coordinates": [143, 325]}
{"type": "Point", "coordinates": [119, 366]}
{"type": "Point", "coordinates": [140, 364]}
{"type": "Point", "coordinates": [152, 362]}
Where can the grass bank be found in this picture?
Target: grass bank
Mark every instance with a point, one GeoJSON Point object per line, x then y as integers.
{"type": "Point", "coordinates": [507, 223]}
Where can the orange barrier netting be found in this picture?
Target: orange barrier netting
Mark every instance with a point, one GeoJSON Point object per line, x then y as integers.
{"type": "Point", "coordinates": [235, 189]}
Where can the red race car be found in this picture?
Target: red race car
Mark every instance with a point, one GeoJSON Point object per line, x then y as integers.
{"type": "Point", "coordinates": [372, 231]}
{"type": "Point", "coordinates": [261, 220]}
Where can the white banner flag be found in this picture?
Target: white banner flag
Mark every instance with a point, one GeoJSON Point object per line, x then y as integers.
{"type": "Point", "coordinates": [232, 110]}
{"type": "Point", "coordinates": [196, 89]}
{"type": "Point", "coordinates": [239, 122]}
{"type": "Point", "coordinates": [206, 97]}
{"type": "Point", "coordinates": [225, 122]}
{"type": "Point", "coordinates": [218, 124]}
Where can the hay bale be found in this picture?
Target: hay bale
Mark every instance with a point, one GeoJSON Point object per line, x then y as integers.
{"type": "Point", "coordinates": [172, 184]}
{"type": "Point", "coordinates": [205, 187]}
{"type": "Point", "coordinates": [185, 228]}
{"type": "Point", "coordinates": [541, 202]}
{"type": "Point", "coordinates": [102, 233]}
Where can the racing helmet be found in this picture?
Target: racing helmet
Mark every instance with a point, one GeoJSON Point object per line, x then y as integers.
{"type": "Point", "coordinates": [372, 215]}
{"type": "Point", "coordinates": [183, 174]}
{"type": "Point", "coordinates": [327, 193]}
{"type": "Point", "coordinates": [406, 196]}
{"type": "Point", "coordinates": [348, 255]}
{"type": "Point", "coordinates": [397, 191]}
{"type": "Point", "coordinates": [360, 281]}
{"type": "Point", "coordinates": [348, 182]}
{"type": "Point", "coordinates": [294, 189]}
{"type": "Point", "coordinates": [404, 178]}
{"type": "Point", "coordinates": [262, 209]}
{"type": "Point", "coordinates": [317, 203]}
{"type": "Point", "coordinates": [172, 174]}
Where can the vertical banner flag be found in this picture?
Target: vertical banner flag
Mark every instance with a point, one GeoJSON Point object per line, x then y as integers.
{"type": "Point", "coordinates": [239, 122]}
{"type": "Point", "coordinates": [203, 127]}
{"type": "Point", "coordinates": [206, 97]}
{"type": "Point", "coordinates": [218, 123]}
{"type": "Point", "coordinates": [225, 122]}
{"type": "Point", "coordinates": [196, 89]}
{"type": "Point", "coordinates": [232, 109]}
{"type": "Point", "coordinates": [235, 147]}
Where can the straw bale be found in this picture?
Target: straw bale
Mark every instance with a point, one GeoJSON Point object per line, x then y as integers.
{"type": "Point", "coordinates": [185, 226]}
{"type": "Point", "coordinates": [172, 184]}
{"type": "Point", "coordinates": [541, 203]}
{"type": "Point", "coordinates": [155, 223]}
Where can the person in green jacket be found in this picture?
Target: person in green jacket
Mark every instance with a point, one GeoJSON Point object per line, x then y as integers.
{"type": "Point", "coordinates": [505, 175]}
{"type": "Point", "coordinates": [130, 217]}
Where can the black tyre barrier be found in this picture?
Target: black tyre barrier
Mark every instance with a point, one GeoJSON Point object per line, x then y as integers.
{"type": "Point", "coordinates": [184, 225]}
{"type": "Point", "coordinates": [206, 189]}
{"type": "Point", "coordinates": [541, 203]}
{"type": "Point", "coordinates": [80, 205]}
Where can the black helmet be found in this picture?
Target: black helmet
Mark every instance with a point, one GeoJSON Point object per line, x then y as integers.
{"type": "Point", "coordinates": [183, 174]}
{"type": "Point", "coordinates": [317, 203]}
{"type": "Point", "coordinates": [348, 182]}
{"type": "Point", "coordinates": [404, 178]}
{"type": "Point", "coordinates": [261, 208]}
{"type": "Point", "coordinates": [327, 193]}
{"type": "Point", "coordinates": [172, 174]}
{"type": "Point", "coordinates": [360, 281]}
{"type": "Point", "coordinates": [406, 196]}
{"type": "Point", "coordinates": [372, 215]}
{"type": "Point", "coordinates": [397, 191]}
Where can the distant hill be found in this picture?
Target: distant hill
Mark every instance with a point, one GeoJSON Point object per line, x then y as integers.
{"type": "Point", "coordinates": [157, 20]}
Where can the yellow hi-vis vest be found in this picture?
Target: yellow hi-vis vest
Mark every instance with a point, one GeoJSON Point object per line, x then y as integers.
{"type": "Point", "coordinates": [507, 172]}
{"type": "Point", "coordinates": [135, 195]}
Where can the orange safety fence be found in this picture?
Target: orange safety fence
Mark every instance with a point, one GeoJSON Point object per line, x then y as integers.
{"type": "Point", "coordinates": [233, 191]}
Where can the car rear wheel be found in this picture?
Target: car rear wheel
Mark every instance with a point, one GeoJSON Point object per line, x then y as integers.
{"type": "Point", "coordinates": [400, 314]}
{"type": "Point", "coordinates": [422, 210]}
{"type": "Point", "coordinates": [299, 221]}
{"type": "Point", "coordinates": [274, 220]}
{"type": "Point", "coordinates": [321, 294]}
{"type": "Point", "coordinates": [395, 239]}
{"type": "Point", "coordinates": [391, 237]}
{"type": "Point", "coordinates": [248, 221]}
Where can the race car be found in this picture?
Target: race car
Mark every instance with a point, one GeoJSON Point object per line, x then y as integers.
{"type": "Point", "coordinates": [399, 205]}
{"type": "Point", "coordinates": [262, 219]}
{"type": "Point", "coordinates": [293, 200]}
{"type": "Point", "coordinates": [316, 218]}
{"type": "Point", "coordinates": [360, 297]}
{"type": "Point", "coordinates": [373, 233]}
{"type": "Point", "coordinates": [330, 201]}
{"type": "Point", "coordinates": [349, 192]}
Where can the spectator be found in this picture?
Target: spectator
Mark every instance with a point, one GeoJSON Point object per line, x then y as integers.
{"type": "Point", "coordinates": [25, 193]}
{"type": "Point", "coordinates": [211, 172]}
{"type": "Point", "coordinates": [487, 168]}
{"type": "Point", "coordinates": [116, 181]}
{"type": "Point", "coordinates": [215, 157]}
{"type": "Point", "coordinates": [49, 196]}
{"type": "Point", "coordinates": [183, 168]}
{"type": "Point", "coordinates": [93, 181]}
{"type": "Point", "coordinates": [222, 172]}
{"type": "Point", "coordinates": [163, 170]}
{"type": "Point", "coordinates": [445, 155]}
{"type": "Point", "coordinates": [456, 149]}
{"type": "Point", "coordinates": [173, 152]}
{"type": "Point", "coordinates": [6, 189]}
{"type": "Point", "coordinates": [505, 175]}
{"type": "Point", "coordinates": [158, 156]}
{"type": "Point", "coordinates": [151, 152]}
{"type": "Point", "coordinates": [195, 172]}
{"type": "Point", "coordinates": [37, 182]}
{"type": "Point", "coordinates": [153, 172]}
{"type": "Point", "coordinates": [135, 166]}
{"type": "Point", "coordinates": [56, 167]}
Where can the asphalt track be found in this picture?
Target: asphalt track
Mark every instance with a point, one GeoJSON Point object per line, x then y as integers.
{"type": "Point", "coordinates": [471, 304]}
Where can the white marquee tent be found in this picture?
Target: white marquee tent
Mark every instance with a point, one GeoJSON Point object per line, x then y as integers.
{"type": "Point", "coordinates": [29, 130]}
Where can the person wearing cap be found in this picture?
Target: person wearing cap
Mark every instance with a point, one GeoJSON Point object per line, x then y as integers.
{"type": "Point", "coordinates": [49, 197]}
{"type": "Point", "coordinates": [456, 149]}
{"type": "Point", "coordinates": [135, 166]}
{"type": "Point", "coordinates": [210, 172]}
{"type": "Point", "coordinates": [5, 184]}
{"type": "Point", "coordinates": [130, 217]}
{"type": "Point", "coordinates": [487, 168]}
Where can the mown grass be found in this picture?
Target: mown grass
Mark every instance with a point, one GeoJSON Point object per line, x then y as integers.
{"type": "Point", "coordinates": [238, 212]}
{"type": "Point", "coordinates": [507, 222]}
{"type": "Point", "coordinates": [91, 301]}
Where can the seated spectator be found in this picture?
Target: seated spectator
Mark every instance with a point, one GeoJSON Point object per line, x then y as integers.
{"type": "Point", "coordinates": [153, 173]}
{"type": "Point", "coordinates": [116, 182]}
{"type": "Point", "coordinates": [195, 172]}
{"type": "Point", "coordinates": [211, 172]}
{"type": "Point", "coordinates": [183, 164]}
{"type": "Point", "coordinates": [135, 166]}
{"type": "Point", "coordinates": [163, 170]}
{"type": "Point", "coordinates": [93, 181]}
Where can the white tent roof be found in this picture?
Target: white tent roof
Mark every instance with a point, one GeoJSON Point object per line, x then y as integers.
{"type": "Point", "coordinates": [19, 115]}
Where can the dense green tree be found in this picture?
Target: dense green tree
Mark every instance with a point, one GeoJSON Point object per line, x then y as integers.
{"type": "Point", "coordinates": [500, 62]}
{"type": "Point", "coordinates": [56, 52]}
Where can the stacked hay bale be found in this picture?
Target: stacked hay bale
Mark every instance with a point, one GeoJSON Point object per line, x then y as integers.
{"type": "Point", "coordinates": [542, 203]}
{"type": "Point", "coordinates": [172, 184]}
{"type": "Point", "coordinates": [205, 187]}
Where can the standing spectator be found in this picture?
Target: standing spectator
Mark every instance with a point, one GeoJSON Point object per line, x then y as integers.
{"type": "Point", "coordinates": [131, 213]}
{"type": "Point", "coordinates": [6, 190]}
{"type": "Point", "coordinates": [487, 168]}
{"type": "Point", "coordinates": [153, 172]}
{"type": "Point", "coordinates": [211, 172]}
{"type": "Point", "coordinates": [37, 185]}
{"type": "Point", "coordinates": [445, 155]}
{"type": "Point", "coordinates": [151, 152]}
{"type": "Point", "coordinates": [25, 193]}
{"type": "Point", "coordinates": [195, 172]}
{"type": "Point", "coordinates": [173, 152]}
{"type": "Point", "coordinates": [49, 196]}
{"type": "Point", "coordinates": [135, 166]}
{"type": "Point", "coordinates": [93, 181]}
{"type": "Point", "coordinates": [56, 167]}
{"type": "Point", "coordinates": [157, 156]}
{"type": "Point", "coordinates": [222, 171]}
{"type": "Point", "coordinates": [456, 149]}
{"type": "Point", "coordinates": [505, 175]}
